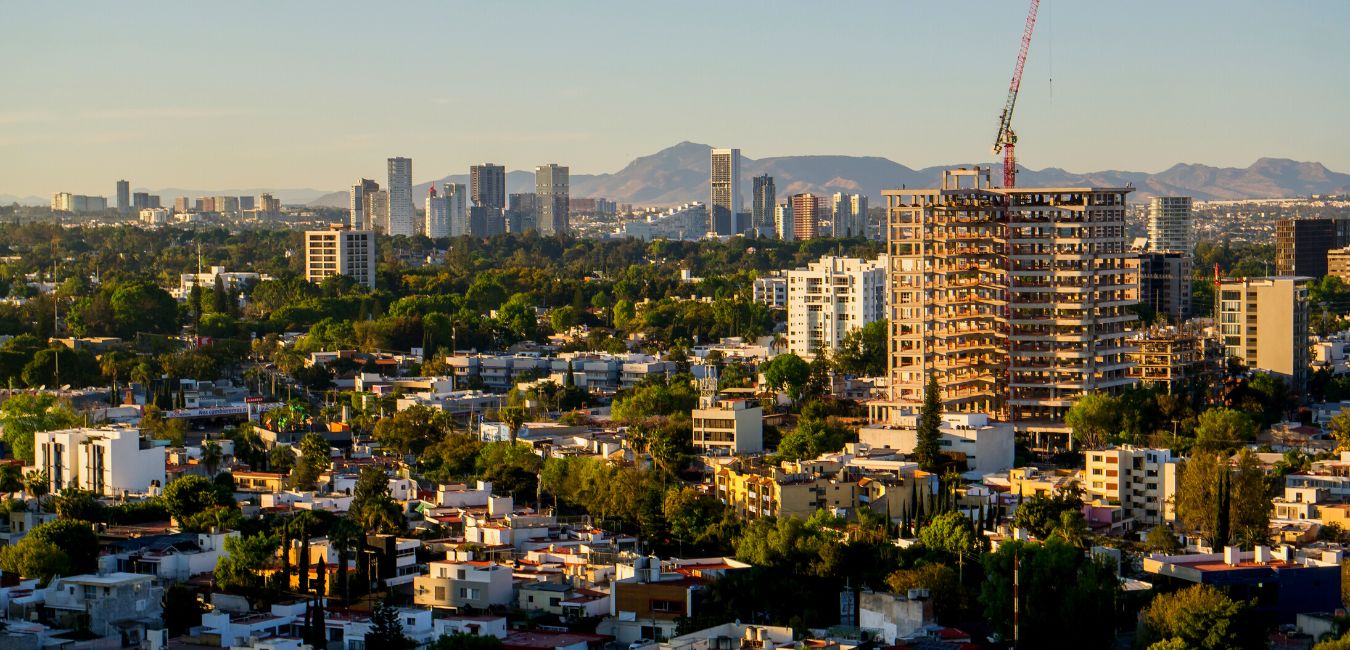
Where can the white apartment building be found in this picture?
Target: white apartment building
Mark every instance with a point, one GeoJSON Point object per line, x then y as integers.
{"type": "Point", "coordinates": [231, 280]}
{"type": "Point", "coordinates": [850, 214]}
{"type": "Point", "coordinates": [109, 461]}
{"type": "Point", "coordinates": [402, 214]}
{"type": "Point", "coordinates": [437, 215]}
{"type": "Point", "coordinates": [154, 216]}
{"type": "Point", "coordinates": [771, 290]}
{"type": "Point", "coordinates": [832, 297]}
{"type": "Point", "coordinates": [1169, 224]}
{"type": "Point", "coordinates": [456, 198]}
{"type": "Point", "coordinates": [1264, 324]}
{"type": "Point", "coordinates": [986, 445]}
{"type": "Point", "coordinates": [341, 251]}
{"type": "Point", "coordinates": [1142, 482]}
{"type": "Point", "coordinates": [784, 227]}
{"type": "Point", "coordinates": [686, 222]}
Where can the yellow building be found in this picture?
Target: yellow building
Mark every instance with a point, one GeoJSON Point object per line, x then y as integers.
{"type": "Point", "coordinates": [800, 489]}
{"type": "Point", "coordinates": [1030, 481]}
{"type": "Point", "coordinates": [1264, 323]}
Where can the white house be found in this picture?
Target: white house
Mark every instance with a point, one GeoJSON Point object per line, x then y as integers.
{"type": "Point", "coordinates": [109, 460]}
{"type": "Point", "coordinates": [987, 445]}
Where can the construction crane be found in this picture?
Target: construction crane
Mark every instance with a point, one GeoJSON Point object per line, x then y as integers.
{"type": "Point", "coordinates": [1006, 140]}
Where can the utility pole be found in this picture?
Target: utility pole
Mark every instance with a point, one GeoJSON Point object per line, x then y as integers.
{"type": "Point", "coordinates": [1016, 602]}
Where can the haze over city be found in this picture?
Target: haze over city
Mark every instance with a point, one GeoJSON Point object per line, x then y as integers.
{"type": "Point", "coordinates": [313, 94]}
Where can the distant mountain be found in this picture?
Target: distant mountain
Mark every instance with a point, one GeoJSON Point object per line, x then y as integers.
{"type": "Point", "coordinates": [679, 174]}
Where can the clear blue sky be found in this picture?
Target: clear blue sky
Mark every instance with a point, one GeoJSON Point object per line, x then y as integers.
{"type": "Point", "coordinates": [296, 94]}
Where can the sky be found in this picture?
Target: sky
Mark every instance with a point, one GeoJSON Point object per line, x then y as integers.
{"type": "Point", "coordinates": [253, 94]}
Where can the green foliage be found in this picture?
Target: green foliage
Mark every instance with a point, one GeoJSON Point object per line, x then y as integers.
{"type": "Point", "coordinates": [1223, 504]}
{"type": "Point", "coordinates": [863, 350]}
{"type": "Point", "coordinates": [1068, 600]}
{"type": "Point", "coordinates": [951, 534]}
{"type": "Point", "coordinates": [693, 517]}
{"type": "Point", "coordinates": [124, 309]}
{"type": "Point", "coordinates": [1094, 418]}
{"type": "Point", "coordinates": [512, 469]}
{"type": "Point", "coordinates": [412, 430]}
{"type": "Point", "coordinates": [25, 414]}
{"type": "Point", "coordinates": [240, 569]}
{"type": "Point", "coordinates": [155, 425]}
{"type": "Point", "coordinates": [1223, 428]}
{"type": "Point", "coordinates": [942, 583]}
{"type": "Point", "coordinates": [655, 396]}
{"type": "Point", "coordinates": [927, 444]}
{"type": "Point", "coordinates": [189, 495]}
{"type": "Point", "coordinates": [1203, 618]}
{"type": "Point", "coordinates": [182, 609]}
{"type": "Point", "coordinates": [453, 458]}
{"type": "Point", "coordinates": [1041, 514]}
{"type": "Point", "coordinates": [372, 508]}
{"type": "Point", "coordinates": [31, 558]}
{"type": "Point", "coordinates": [1160, 539]}
{"type": "Point", "coordinates": [386, 632]}
{"type": "Point", "coordinates": [316, 456]}
{"type": "Point", "coordinates": [74, 503]}
{"type": "Point", "coordinates": [73, 536]}
{"type": "Point", "coordinates": [787, 372]}
{"type": "Point", "coordinates": [811, 438]}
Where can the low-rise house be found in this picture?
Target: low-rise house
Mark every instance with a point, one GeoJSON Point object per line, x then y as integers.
{"type": "Point", "coordinates": [895, 616]}
{"type": "Point", "coordinates": [985, 445]}
{"type": "Point", "coordinates": [464, 583]}
{"type": "Point", "coordinates": [1143, 482]}
{"type": "Point", "coordinates": [1280, 583]}
{"type": "Point", "coordinates": [118, 605]}
{"type": "Point", "coordinates": [646, 601]}
{"type": "Point", "coordinates": [174, 557]}
{"type": "Point", "coordinates": [728, 427]}
{"type": "Point", "coordinates": [471, 625]}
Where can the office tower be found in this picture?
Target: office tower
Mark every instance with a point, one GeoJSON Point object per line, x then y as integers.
{"type": "Point", "coordinates": [123, 197]}
{"type": "Point", "coordinates": [1165, 283]}
{"type": "Point", "coordinates": [1264, 324]}
{"type": "Point", "coordinates": [456, 197]}
{"type": "Point", "coordinates": [140, 201]}
{"type": "Point", "coordinates": [1017, 300]}
{"type": "Point", "coordinates": [377, 214]}
{"type": "Point", "coordinates": [182, 204]}
{"type": "Point", "coordinates": [764, 201]}
{"type": "Point", "coordinates": [437, 215]}
{"type": "Point", "coordinates": [521, 210]}
{"type": "Point", "coordinates": [858, 203]}
{"type": "Point", "coordinates": [206, 204]}
{"type": "Point", "coordinates": [246, 204]}
{"type": "Point", "coordinates": [227, 204]}
{"type": "Point", "coordinates": [805, 216]}
{"type": "Point", "coordinates": [487, 183]}
{"type": "Point", "coordinates": [402, 214]}
{"type": "Point", "coordinates": [784, 226]}
{"type": "Point", "coordinates": [1169, 224]}
{"type": "Point", "coordinates": [269, 206]}
{"type": "Point", "coordinates": [341, 251]}
{"type": "Point", "coordinates": [552, 199]}
{"type": "Point", "coordinates": [78, 203]}
{"type": "Point", "coordinates": [724, 184]}
{"type": "Point", "coordinates": [361, 217]}
{"type": "Point", "coordinates": [832, 297]}
{"type": "Point", "coordinates": [1301, 245]}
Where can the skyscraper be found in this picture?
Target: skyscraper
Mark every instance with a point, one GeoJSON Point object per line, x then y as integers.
{"type": "Point", "coordinates": [805, 216]}
{"type": "Point", "coordinates": [1169, 224]}
{"type": "Point", "coordinates": [552, 199]}
{"type": "Point", "coordinates": [361, 217]}
{"type": "Point", "coordinates": [521, 211]}
{"type": "Point", "coordinates": [1016, 300]}
{"type": "Point", "coordinates": [1264, 324]}
{"type": "Point", "coordinates": [783, 225]}
{"type": "Point", "coordinates": [402, 214]}
{"type": "Point", "coordinates": [724, 184]}
{"type": "Point", "coordinates": [1301, 245]}
{"type": "Point", "coordinates": [487, 183]}
{"type": "Point", "coordinates": [123, 197]}
{"type": "Point", "coordinates": [761, 209]}
{"type": "Point", "coordinates": [455, 196]}
{"type": "Point", "coordinates": [437, 215]}
{"type": "Point", "coordinates": [858, 202]}
{"type": "Point", "coordinates": [377, 204]}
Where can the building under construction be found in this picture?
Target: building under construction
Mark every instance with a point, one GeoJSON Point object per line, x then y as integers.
{"type": "Point", "coordinates": [1170, 357]}
{"type": "Point", "coordinates": [1017, 300]}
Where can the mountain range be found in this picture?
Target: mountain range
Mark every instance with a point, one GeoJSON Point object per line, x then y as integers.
{"type": "Point", "coordinates": [679, 174]}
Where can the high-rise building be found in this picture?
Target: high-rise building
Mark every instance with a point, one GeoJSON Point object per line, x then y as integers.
{"type": "Point", "coordinates": [850, 214]}
{"type": "Point", "coordinates": [1016, 300]}
{"type": "Point", "coordinates": [78, 203]}
{"type": "Point", "coordinates": [456, 197]}
{"type": "Point", "coordinates": [123, 197]}
{"type": "Point", "coordinates": [182, 205]}
{"type": "Point", "coordinates": [724, 181]}
{"type": "Point", "coordinates": [551, 188]}
{"type": "Point", "coordinates": [1264, 324]}
{"type": "Point", "coordinates": [521, 210]}
{"type": "Point", "coordinates": [268, 206]}
{"type": "Point", "coordinates": [246, 204]}
{"type": "Point", "coordinates": [858, 203]}
{"type": "Point", "coordinates": [340, 251]}
{"type": "Point", "coordinates": [141, 201]}
{"type": "Point", "coordinates": [832, 297]}
{"type": "Point", "coordinates": [1165, 283]}
{"type": "Point", "coordinates": [1169, 224]}
{"type": "Point", "coordinates": [402, 214]}
{"type": "Point", "coordinates": [360, 216]}
{"type": "Point", "coordinates": [784, 226]}
{"type": "Point", "coordinates": [377, 212]}
{"type": "Point", "coordinates": [762, 206]}
{"type": "Point", "coordinates": [1301, 245]}
{"type": "Point", "coordinates": [227, 204]}
{"type": "Point", "coordinates": [437, 215]}
{"type": "Point", "coordinates": [1338, 263]}
{"type": "Point", "coordinates": [805, 216]}
{"type": "Point", "coordinates": [1142, 482]}
{"type": "Point", "coordinates": [487, 183]}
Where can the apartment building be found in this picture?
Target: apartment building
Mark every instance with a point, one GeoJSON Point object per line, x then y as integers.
{"type": "Point", "coordinates": [831, 297]}
{"type": "Point", "coordinates": [456, 583]}
{"type": "Point", "coordinates": [986, 446]}
{"type": "Point", "coordinates": [836, 485]}
{"type": "Point", "coordinates": [728, 426]}
{"type": "Point", "coordinates": [108, 461]}
{"type": "Point", "coordinates": [724, 191]}
{"type": "Point", "coordinates": [1017, 300]}
{"type": "Point", "coordinates": [1165, 283]}
{"type": "Point", "coordinates": [770, 290]}
{"type": "Point", "coordinates": [1167, 357]}
{"type": "Point", "coordinates": [1264, 324]}
{"type": "Point", "coordinates": [1338, 263]}
{"type": "Point", "coordinates": [118, 605]}
{"type": "Point", "coordinates": [1301, 245]}
{"type": "Point", "coordinates": [341, 251]}
{"type": "Point", "coordinates": [1143, 482]}
{"type": "Point", "coordinates": [1169, 224]}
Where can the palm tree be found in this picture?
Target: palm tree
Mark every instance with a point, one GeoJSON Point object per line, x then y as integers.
{"type": "Point", "coordinates": [211, 457]}
{"type": "Point", "coordinates": [345, 536]}
{"type": "Point", "coordinates": [1072, 529]}
{"type": "Point", "coordinates": [514, 418]}
{"type": "Point", "coordinates": [780, 342]}
{"type": "Point", "coordinates": [36, 483]}
{"type": "Point", "coordinates": [11, 478]}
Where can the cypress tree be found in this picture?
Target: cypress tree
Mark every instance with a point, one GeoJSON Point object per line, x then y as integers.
{"type": "Point", "coordinates": [927, 447]}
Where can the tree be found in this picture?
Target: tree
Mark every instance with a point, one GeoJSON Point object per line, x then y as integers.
{"type": "Point", "coordinates": [36, 483]}
{"type": "Point", "coordinates": [691, 515]}
{"type": "Point", "coordinates": [950, 533]}
{"type": "Point", "coordinates": [189, 495]}
{"type": "Point", "coordinates": [182, 610]}
{"type": "Point", "coordinates": [1072, 529]}
{"type": "Point", "coordinates": [514, 418]}
{"type": "Point", "coordinates": [346, 536]}
{"type": "Point", "coordinates": [74, 503]}
{"type": "Point", "coordinates": [11, 478]}
{"type": "Point", "coordinates": [1339, 426]}
{"type": "Point", "coordinates": [928, 437]}
{"type": "Point", "coordinates": [1223, 428]}
{"type": "Point", "coordinates": [386, 632]}
{"type": "Point", "coordinates": [32, 558]}
{"type": "Point", "coordinates": [211, 457]}
{"type": "Point", "coordinates": [1041, 514]}
{"type": "Point", "coordinates": [240, 569]}
{"type": "Point", "coordinates": [1094, 418]}
{"type": "Point", "coordinates": [411, 430]}
{"type": "Point", "coordinates": [75, 537]}
{"type": "Point", "coordinates": [1224, 503]}
{"type": "Point", "coordinates": [281, 459]}
{"type": "Point", "coordinates": [787, 372]}
{"type": "Point", "coordinates": [863, 350]}
{"type": "Point", "coordinates": [372, 508]}
{"type": "Point", "coordinates": [154, 424]}
{"type": "Point", "coordinates": [941, 581]}
{"type": "Point", "coordinates": [1160, 539]}
{"type": "Point", "coordinates": [25, 414]}
{"type": "Point", "coordinates": [1067, 599]}
{"type": "Point", "coordinates": [811, 438]}
{"type": "Point", "coordinates": [316, 456]}
{"type": "Point", "coordinates": [1203, 618]}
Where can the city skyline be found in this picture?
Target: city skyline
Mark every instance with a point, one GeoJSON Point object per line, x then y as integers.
{"type": "Point", "coordinates": [275, 129]}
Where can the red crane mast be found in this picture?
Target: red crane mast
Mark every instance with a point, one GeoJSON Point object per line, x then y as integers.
{"type": "Point", "coordinates": [1006, 140]}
